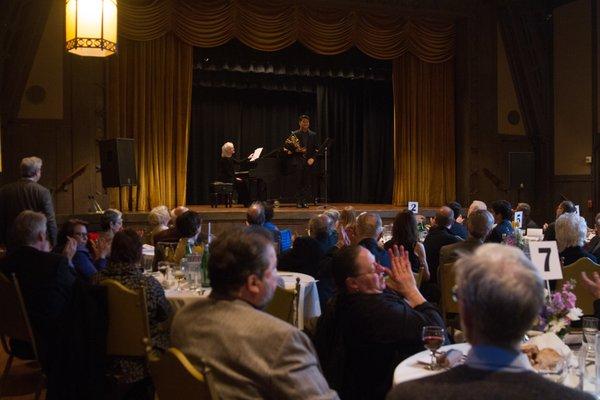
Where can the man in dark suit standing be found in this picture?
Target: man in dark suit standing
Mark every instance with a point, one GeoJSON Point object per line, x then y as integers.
{"type": "Point", "coordinates": [45, 278]}
{"type": "Point", "coordinates": [26, 194]}
{"type": "Point", "coordinates": [499, 294]}
{"type": "Point", "coordinates": [301, 145]}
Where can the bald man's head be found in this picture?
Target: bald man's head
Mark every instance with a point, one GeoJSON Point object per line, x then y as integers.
{"type": "Point", "coordinates": [444, 217]}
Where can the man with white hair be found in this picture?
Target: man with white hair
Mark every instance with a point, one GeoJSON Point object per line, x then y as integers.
{"type": "Point", "coordinates": [26, 194]}
{"type": "Point", "coordinates": [570, 236]}
{"type": "Point", "coordinates": [368, 231]}
{"type": "Point", "coordinates": [476, 205]}
{"type": "Point", "coordinates": [226, 172]}
{"type": "Point", "coordinates": [500, 294]}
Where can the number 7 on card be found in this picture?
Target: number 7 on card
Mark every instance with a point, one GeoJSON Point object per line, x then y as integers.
{"type": "Point", "coordinates": [544, 256]}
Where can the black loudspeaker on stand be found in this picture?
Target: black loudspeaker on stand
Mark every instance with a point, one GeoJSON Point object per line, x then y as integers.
{"type": "Point", "coordinates": [117, 162]}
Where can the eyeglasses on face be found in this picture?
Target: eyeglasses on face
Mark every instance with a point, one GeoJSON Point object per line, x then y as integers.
{"type": "Point", "coordinates": [80, 234]}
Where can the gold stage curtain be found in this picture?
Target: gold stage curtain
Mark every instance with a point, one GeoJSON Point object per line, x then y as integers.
{"type": "Point", "coordinates": [149, 99]}
{"type": "Point", "coordinates": [424, 167]}
{"type": "Point", "coordinates": [275, 24]}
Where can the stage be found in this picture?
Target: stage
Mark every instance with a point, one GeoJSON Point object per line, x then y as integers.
{"type": "Point", "coordinates": [287, 216]}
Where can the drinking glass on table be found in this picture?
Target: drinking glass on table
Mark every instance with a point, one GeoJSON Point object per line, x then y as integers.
{"type": "Point", "coordinates": [589, 325]}
{"type": "Point", "coordinates": [179, 275]}
{"type": "Point", "coordinates": [433, 338]}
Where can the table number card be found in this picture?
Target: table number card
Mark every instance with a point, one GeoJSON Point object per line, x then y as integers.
{"type": "Point", "coordinates": [518, 218]}
{"type": "Point", "coordinates": [577, 209]}
{"type": "Point", "coordinates": [544, 256]}
{"type": "Point", "coordinates": [413, 206]}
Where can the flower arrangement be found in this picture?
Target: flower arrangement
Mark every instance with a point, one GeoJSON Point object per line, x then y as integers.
{"type": "Point", "coordinates": [559, 310]}
{"type": "Point", "coordinates": [515, 239]}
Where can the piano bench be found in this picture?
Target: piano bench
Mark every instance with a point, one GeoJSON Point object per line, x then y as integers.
{"type": "Point", "coordinates": [220, 193]}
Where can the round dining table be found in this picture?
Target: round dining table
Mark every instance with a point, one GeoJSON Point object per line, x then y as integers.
{"type": "Point", "coordinates": [416, 367]}
{"type": "Point", "coordinates": [308, 298]}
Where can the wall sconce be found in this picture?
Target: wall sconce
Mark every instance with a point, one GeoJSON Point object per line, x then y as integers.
{"type": "Point", "coordinates": [91, 27]}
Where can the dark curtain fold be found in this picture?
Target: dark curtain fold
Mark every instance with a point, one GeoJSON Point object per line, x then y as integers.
{"type": "Point", "coordinates": [357, 115]}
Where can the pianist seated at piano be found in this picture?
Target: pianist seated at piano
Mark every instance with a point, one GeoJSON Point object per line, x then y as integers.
{"type": "Point", "coordinates": [226, 173]}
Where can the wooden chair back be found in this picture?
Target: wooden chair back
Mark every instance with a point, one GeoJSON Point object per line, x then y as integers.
{"type": "Point", "coordinates": [585, 300]}
{"type": "Point", "coordinates": [284, 304]}
{"type": "Point", "coordinates": [127, 320]}
{"type": "Point", "coordinates": [14, 322]}
{"type": "Point", "coordinates": [447, 281]}
{"type": "Point", "coordinates": [175, 378]}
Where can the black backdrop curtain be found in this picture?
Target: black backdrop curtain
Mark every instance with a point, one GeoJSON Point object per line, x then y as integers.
{"type": "Point", "coordinates": [259, 110]}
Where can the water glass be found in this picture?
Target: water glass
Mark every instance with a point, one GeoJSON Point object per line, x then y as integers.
{"type": "Point", "coordinates": [589, 326]}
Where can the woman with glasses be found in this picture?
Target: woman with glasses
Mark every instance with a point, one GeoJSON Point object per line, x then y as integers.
{"type": "Point", "coordinates": [84, 263]}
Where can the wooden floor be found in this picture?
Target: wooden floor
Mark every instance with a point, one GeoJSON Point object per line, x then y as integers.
{"type": "Point", "coordinates": [22, 381]}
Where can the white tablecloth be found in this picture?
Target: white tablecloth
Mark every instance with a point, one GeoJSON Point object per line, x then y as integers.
{"type": "Point", "coordinates": [411, 369]}
{"type": "Point", "coordinates": [308, 298]}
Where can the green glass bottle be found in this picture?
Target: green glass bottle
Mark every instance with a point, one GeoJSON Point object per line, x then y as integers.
{"type": "Point", "coordinates": [204, 266]}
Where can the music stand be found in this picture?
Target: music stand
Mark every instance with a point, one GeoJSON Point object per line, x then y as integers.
{"type": "Point", "coordinates": [324, 149]}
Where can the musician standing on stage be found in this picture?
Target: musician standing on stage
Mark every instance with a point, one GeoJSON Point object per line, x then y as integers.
{"type": "Point", "coordinates": [301, 146]}
{"type": "Point", "coordinates": [226, 173]}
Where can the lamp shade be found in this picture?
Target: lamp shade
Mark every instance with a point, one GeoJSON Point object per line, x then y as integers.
{"type": "Point", "coordinates": [91, 27]}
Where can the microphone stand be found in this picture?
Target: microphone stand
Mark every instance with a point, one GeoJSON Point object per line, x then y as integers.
{"type": "Point", "coordinates": [325, 149]}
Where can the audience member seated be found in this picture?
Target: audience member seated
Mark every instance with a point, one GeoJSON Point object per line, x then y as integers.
{"type": "Point", "coordinates": [308, 251]}
{"type": "Point", "coordinates": [570, 236]}
{"type": "Point", "coordinates": [186, 225]}
{"type": "Point", "coordinates": [476, 205]}
{"type": "Point", "coordinates": [368, 233]}
{"type": "Point", "coordinates": [439, 236]}
{"type": "Point", "coordinates": [269, 225]}
{"type": "Point", "coordinates": [500, 293]}
{"type": "Point", "coordinates": [176, 212]}
{"type": "Point", "coordinates": [347, 225]}
{"type": "Point", "coordinates": [528, 223]}
{"type": "Point", "coordinates": [479, 225]}
{"type": "Point", "coordinates": [255, 214]}
{"type": "Point", "coordinates": [125, 256]}
{"type": "Point", "coordinates": [406, 234]}
{"type": "Point", "coordinates": [594, 245]}
{"type": "Point", "coordinates": [158, 221]}
{"type": "Point", "coordinates": [565, 207]}
{"type": "Point", "coordinates": [46, 282]}
{"type": "Point", "coordinates": [84, 263]}
{"type": "Point", "coordinates": [457, 228]}
{"type": "Point", "coordinates": [334, 226]}
{"type": "Point", "coordinates": [251, 354]}
{"type": "Point", "coordinates": [501, 209]}
{"type": "Point", "coordinates": [111, 222]}
{"type": "Point", "coordinates": [368, 328]}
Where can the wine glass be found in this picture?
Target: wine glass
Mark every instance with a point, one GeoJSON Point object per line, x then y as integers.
{"type": "Point", "coordinates": [433, 338]}
{"type": "Point", "coordinates": [589, 326]}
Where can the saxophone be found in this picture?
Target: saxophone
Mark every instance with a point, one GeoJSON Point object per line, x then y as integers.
{"type": "Point", "coordinates": [293, 143]}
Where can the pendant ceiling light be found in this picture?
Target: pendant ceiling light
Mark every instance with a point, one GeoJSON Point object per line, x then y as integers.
{"type": "Point", "coordinates": [91, 27]}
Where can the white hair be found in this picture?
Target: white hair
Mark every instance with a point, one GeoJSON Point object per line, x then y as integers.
{"type": "Point", "coordinates": [28, 226]}
{"type": "Point", "coordinates": [476, 205]}
{"type": "Point", "coordinates": [30, 166]}
{"type": "Point", "coordinates": [570, 231]}
{"type": "Point", "coordinates": [226, 147]}
{"type": "Point", "coordinates": [369, 225]}
{"type": "Point", "coordinates": [159, 216]}
{"type": "Point", "coordinates": [501, 291]}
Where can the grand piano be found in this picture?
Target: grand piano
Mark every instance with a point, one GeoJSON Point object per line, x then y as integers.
{"type": "Point", "coordinates": [270, 178]}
